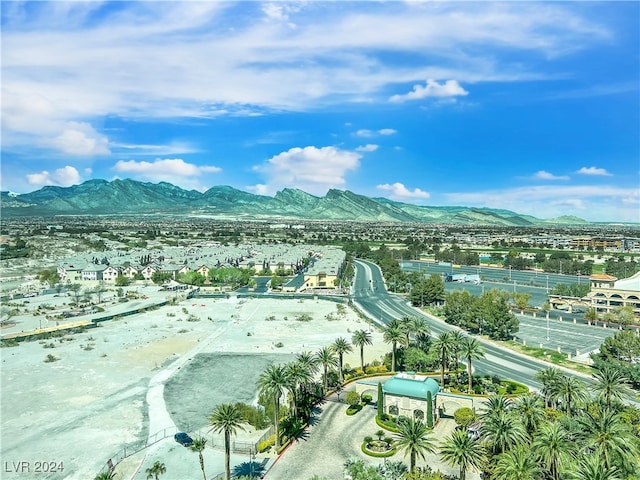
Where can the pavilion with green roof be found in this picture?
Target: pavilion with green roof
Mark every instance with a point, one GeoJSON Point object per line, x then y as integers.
{"type": "Point", "coordinates": [405, 394]}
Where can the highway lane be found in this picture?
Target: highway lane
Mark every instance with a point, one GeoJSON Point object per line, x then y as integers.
{"type": "Point", "coordinates": [370, 293]}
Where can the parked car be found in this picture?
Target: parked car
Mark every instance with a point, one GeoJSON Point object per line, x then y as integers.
{"type": "Point", "coordinates": [183, 439]}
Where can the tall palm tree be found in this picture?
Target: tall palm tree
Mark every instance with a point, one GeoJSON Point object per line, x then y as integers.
{"type": "Point", "coordinates": [327, 358]}
{"type": "Point", "coordinates": [393, 335]}
{"type": "Point", "coordinates": [517, 464]}
{"type": "Point", "coordinates": [155, 470]}
{"type": "Point", "coordinates": [607, 436]}
{"type": "Point", "coordinates": [298, 375]}
{"type": "Point", "coordinates": [310, 363]}
{"type": "Point", "coordinates": [462, 450]}
{"type": "Point", "coordinates": [443, 345]}
{"type": "Point", "coordinates": [198, 446]}
{"type": "Point", "coordinates": [406, 325]}
{"type": "Point", "coordinates": [611, 385]}
{"type": "Point", "coordinates": [571, 391]}
{"type": "Point", "coordinates": [361, 338]}
{"type": "Point", "coordinates": [502, 431]}
{"type": "Point", "coordinates": [309, 360]}
{"type": "Point", "coordinates": [550, 378]}
{"type": "Point", "coordinates": [497, 404]}
{"type": "Point", "coordinates": [418, 326]}
{"type": "Point", "coordinates": [591, 467]}
{"type": "Point", "coordinates": [456, 339]}
{"type": "Point", "coordinates": [552, 446]}
{"type": "Point", "coordinates": [341, 346]}
{"type": "Point", "coordinates": [531, 411]}
{"type": "Point", "coordinates": [414, 437]}
{"type": "Point", "coordinates": [272, 383]}
{"type": "Point", "coordinates": [226, 418]}
{"type": "Point", "coordinates": [472, 350]}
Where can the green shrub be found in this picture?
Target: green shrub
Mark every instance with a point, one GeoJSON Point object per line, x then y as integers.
{"type": "Point", "coordinates": [367, 398]}
{"type": "Point", "coordinates": [464, 416]}
{"type": "Point", "coordinates": [352, 398]}
{"type": "Point", "coordinates": [266, 444]}
{"type": "Point", "coordinates": [353, 409]}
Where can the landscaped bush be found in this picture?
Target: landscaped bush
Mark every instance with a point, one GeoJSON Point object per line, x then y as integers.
{"type": "Point", "coordinates": [352, 398]}
{"type": "Point", "coordinates": [388, 423]}
{"type": "Point", "coordinates": [464, 416]}
{"type": "Point", "coordinates": [353, 409]}
{"type": "Point", "coordinates": [375, 369]}
{"type": "Point", "coordinates": [266, 444]}
{"type": "Point", "coordinates": [367, 398]}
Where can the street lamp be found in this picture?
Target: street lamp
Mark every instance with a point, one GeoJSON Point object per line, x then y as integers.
{"type": "Point", "coordinates": [547, 326]}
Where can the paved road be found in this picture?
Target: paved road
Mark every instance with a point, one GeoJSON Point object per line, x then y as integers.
{"type": "Point", "coordinates": [372, 296]}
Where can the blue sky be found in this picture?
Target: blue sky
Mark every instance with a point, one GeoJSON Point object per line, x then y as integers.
{"type": "Point", "coordinates": [533, 107]}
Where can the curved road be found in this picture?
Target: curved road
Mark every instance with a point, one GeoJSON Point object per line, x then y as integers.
{"type": "Point", "coordinates": [370, 293]}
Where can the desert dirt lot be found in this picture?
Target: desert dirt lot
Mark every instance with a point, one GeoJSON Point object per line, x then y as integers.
{"type": "Point", "coordinates": [118, 384]}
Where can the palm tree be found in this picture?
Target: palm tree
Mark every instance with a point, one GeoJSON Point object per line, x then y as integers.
{"type": "Point", "coordinates": [472, 350]}
{"type": "Point", "coordinates": [155, 470]}
{"type": "Point", "coordinates": [393, 335]}
{"type": "Point", "coordinates": [226, 418]}
{"type": "Point", "coordinates": [611, 385]}
{"type": "Point", "coordinates": [591, 467]}
{"type": "Point", "coordinates": [443, 345]}
{"type": "Point", "coordinates": [341, 346]}
{"type": "Point", "coordinates": [609, 437]}
{"type": "Point", "coordinates": [361, 338]}
{"type": "Point", "coordinates": [551, 444]}
{"type": "Point", "coordinates": [419, 327]}
{"type": "Point", "coordinates": [414, 437]}
{"type": "Point", "coordinates": [310, 363]}
{"type": "Point", "coordinates": [309, 360]}
{"type": "Point", "coordinates": [496, 404]}
{"type": "Point", "coordinates": [502, 431]}
{"type": "Point", "coordinates": [571, 391]}
{"type": "Point", "coordinates": [550, 378]}
{"type": "Point", "coordinates": [462, 450]}
{"type": "Point", "coordinates": [327, 358]}
{"type": "Point", "coordinates": [517, 464]}
{"type": "Point", "coordinates": [297, 375]}
{"type": "Point", "coordinates": [198, 446]}
{"type": "Point", "coordinates": [272, 383]}
{"type": "Point", "coordinates": [530, 408]}
{"type": "Point", "coordinates": [456, 339]}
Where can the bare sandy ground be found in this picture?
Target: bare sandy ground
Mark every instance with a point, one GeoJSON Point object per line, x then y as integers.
{"type": "Point", "coordinates": [94, 400]}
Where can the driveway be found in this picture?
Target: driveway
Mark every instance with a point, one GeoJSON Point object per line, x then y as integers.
{"type": "Point", "coordinates": [335, 438]}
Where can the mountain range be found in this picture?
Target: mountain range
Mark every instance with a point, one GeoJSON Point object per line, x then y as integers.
{"type": "Point", "coordinates": [101, 197]}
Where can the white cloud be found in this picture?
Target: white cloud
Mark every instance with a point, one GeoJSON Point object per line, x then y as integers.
{"type": "Point", "coordinates": [544, 175]}
{"type": "Point", "coordinates": [365, 133]}
{"type": "Point", "coordinates": [176, 171]}
{"type": "Point", "coordinates": [125, 61]}
{"type": "Point", "coordinates": [387, 131]}
{"type": "Point", "coordinates": [81, 139]}
{"type": "Point", "coordinates": [450, 88]}
{"type": "Point", "coordinates": [594, 171]}
{"type": "Point", "coordinates": [62, 177]}
{"type": "Point", "coordinates": [399, 192]}
{"type": "Point", "coordinates": [312, 169]}
{"type": "Point", "coordinates": [369, 147]}
{"type": "Point", "coordinates": [594, 203]}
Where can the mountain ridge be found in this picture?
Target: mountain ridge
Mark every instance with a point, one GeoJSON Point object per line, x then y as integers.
{"type": "Point", "coordinates": [127, 196]}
